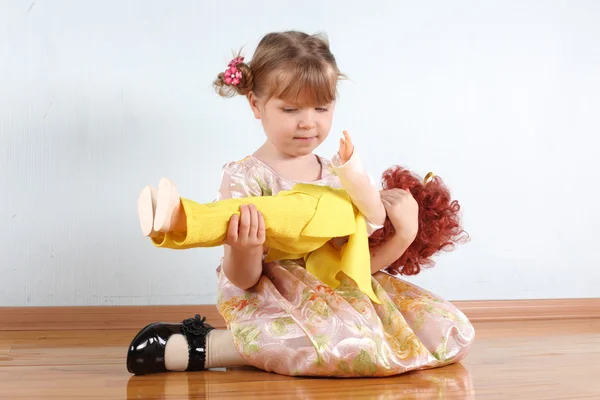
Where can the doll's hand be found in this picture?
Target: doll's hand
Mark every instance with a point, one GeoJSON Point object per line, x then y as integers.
{"type": "Point", "coordinates": [403, 211]}
{"type": "Point", "coordinates": [246, 231]}
{"type": "Point", "coordinates": [346, 148]}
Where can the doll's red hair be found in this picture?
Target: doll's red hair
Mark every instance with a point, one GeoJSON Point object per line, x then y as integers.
{"type": "Point", "coordinates": [439, 221]}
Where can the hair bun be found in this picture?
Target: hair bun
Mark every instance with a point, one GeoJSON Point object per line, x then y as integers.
{"type": "Point", "coordinates": [236, 79]}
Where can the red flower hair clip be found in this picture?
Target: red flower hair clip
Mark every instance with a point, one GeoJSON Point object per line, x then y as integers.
{"type": "Point", "coordinates": [233, 75]}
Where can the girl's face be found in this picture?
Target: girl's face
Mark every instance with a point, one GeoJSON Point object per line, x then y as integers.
{"type": "Point", "coordinates": [294, 129]}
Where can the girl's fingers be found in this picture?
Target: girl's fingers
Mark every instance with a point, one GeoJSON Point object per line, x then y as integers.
{"type": "Point", "coordinates": [244, 227]}
{"type": "Point", "coordinates": [253, 221]}
{"type": "Point", "coordinates": [261, 227]}
{"type": "Point", "coordinates": [396, 193]}
{"type": "Point", "coordinates": [232, 231]}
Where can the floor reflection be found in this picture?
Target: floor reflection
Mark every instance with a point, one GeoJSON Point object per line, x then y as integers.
{"type": "Point", "coordinates": [451, 382]}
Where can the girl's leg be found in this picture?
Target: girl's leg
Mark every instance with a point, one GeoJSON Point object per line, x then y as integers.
{"type": "Point", "coordinates": [192, 345]}
{"type": "Point", "coordinates": [439, 325]}
{"type": "Point", "coordinates": [220, 351]}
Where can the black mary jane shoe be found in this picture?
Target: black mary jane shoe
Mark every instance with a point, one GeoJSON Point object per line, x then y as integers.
{"type": "Point", "coordinates": [146, 353]}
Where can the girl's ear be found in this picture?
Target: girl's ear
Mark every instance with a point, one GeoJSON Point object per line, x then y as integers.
{"type": "Point", "coordinates": [254, 104]}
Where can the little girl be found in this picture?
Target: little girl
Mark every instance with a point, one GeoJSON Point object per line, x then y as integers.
{"type": "Point", "coordinates": [280, 317]}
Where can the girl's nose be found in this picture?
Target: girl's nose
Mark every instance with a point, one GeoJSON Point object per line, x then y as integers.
{"type": "Point", "coordinates": [307, 121]}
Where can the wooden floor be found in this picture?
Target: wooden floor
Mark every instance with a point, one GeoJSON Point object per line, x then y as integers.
{"type": "Point", "coordinates": [510, 360]}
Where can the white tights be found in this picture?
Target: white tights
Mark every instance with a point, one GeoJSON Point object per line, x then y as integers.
{"type": "Point", "coordinates": [220, 351]}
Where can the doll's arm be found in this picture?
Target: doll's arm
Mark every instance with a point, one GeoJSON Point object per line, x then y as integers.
{"type": "Point", "coordinates": [359, 185]}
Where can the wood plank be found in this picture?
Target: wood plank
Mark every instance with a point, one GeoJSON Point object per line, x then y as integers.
{"type": "Point", "coordinates": [535, 309]}
{"type": "Point", "coordinates": [100, 317]}
{"type": "Point", "coordinates": [135, 317]}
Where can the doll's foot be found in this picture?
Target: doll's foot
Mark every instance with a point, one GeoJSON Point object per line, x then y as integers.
{"type": "Point", "coordinates": [146, 208]}
{"type": "Point", "coordinates": [146, 353]}
{"type": "Point", "coordinates": [167, 216]}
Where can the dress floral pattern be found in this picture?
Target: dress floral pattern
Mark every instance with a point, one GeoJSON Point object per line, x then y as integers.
{"type": "Point", "coordinates": [292, 324]}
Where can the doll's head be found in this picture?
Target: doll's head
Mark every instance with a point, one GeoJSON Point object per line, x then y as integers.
{"type": "Point", "coordinates": [439, 221]}
{"type": "Point", "coordinates": [291, 85]}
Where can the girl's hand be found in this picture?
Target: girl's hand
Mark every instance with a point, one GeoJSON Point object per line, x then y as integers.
{"type": "Point", "coordinates": [346, 148]}
{"type": "Point", "coordinates": [403, 211]}
{"type": "Point", "coordinates": [246, 231]}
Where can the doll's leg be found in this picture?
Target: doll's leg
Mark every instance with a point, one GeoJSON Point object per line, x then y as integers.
{"type": "Point", "coordinates": [169, 215]}
{"type": "Point", "coordinates": [146, 208]}
{"type": "Point", "coordinates": [160, 210]}
{"type": "Point", "coordinates": [182, 223]}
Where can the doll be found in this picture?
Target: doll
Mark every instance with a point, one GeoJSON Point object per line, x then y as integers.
{"type": "Point", "coordinates": [308, 222]}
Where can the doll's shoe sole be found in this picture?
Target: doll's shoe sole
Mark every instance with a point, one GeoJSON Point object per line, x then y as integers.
{"type": "Point", "coordinates": [146, 206]}
{"type": "Point", "coordinates": [167, 199]}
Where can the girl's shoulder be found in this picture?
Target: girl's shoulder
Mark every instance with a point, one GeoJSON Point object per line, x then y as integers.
{"type": "Point", "coordinates": [247, 177]}
{"type": "Point", "coordinates": [248, 165]}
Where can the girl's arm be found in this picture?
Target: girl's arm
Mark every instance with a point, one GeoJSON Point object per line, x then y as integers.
{"type": "Point", "coordinates": [403, 211]}
{"type": "Point", "coordinates": [242, 264]}
{"type": "Point", "coordinates": [388, 252]}
{"type": "Point", "coordinates": [242, 267]}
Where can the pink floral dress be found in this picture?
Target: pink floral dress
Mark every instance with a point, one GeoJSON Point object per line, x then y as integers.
{"type": "Point", "coordinates": [292, 324]}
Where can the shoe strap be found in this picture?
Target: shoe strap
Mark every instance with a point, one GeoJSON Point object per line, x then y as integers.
{"type": "Point", "coordinates": [195, 331]}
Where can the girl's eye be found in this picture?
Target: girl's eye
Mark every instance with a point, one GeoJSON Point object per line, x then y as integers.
{"type": "Point", "coordinates": [320, 109]}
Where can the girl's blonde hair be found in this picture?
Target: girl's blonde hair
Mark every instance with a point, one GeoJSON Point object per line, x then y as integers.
{"type": "Point", "coordinates": [291, 65]}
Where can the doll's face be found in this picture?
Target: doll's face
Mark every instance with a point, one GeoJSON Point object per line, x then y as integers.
{"type": "Point", "coordinates": [294, 129]}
